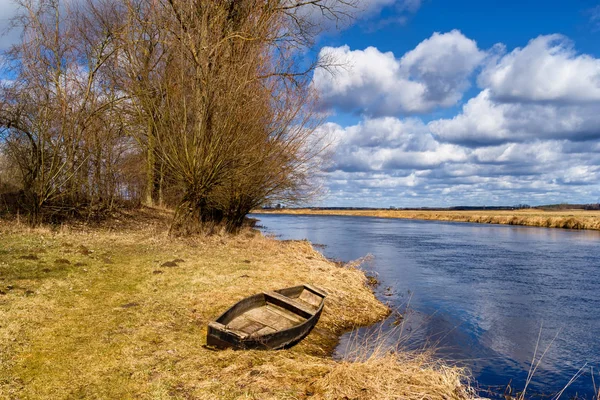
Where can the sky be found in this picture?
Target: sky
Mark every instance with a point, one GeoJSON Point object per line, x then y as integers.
{"type": "Point", "coordinates": [443, 103]}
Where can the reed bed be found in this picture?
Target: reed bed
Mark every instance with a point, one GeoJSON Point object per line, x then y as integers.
{"type": "Point", "coordinates": [393, 376]}
{"type": "Point", "coordinates": [121, 312]}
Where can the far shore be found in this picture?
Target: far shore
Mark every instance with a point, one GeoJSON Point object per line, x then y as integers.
{"type": "Point", "coordinates": [566, 219]}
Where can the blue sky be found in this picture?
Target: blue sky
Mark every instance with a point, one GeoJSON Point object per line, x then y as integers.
{"type": "Point", "coordinates": [445, 103]}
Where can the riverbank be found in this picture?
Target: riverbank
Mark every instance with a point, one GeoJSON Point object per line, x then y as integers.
{"type": "Point", "coordinates": [121, 312]}
{"type": "Point", "coordinates": [567, 219]}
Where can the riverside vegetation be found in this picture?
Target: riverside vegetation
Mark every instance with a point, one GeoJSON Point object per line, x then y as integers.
{"type": "Point", "coordinates": [569, 219]}
{"type": "Point", "coordinates": [120, 311]}
{"type": "Point", "coordinates": [203, 106]}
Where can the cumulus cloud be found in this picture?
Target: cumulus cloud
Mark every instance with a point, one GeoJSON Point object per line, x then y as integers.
{"type": "Point", "coordinates": [548, 69]}
{"type": "Point", "coordinates": [531, 135]}
{"type": "Point", "coordinates": [386, 144]}
{"type": "Point", "coordinates": [434, 74]}
{"type": "Point", "coordinates": [533, 153]}
{"type": "Point", "coordinates": [443, 63]}
{"type": "Point", "coordinates": [7, 36]}
{"type": "Point", "coordinates": [484, 121]}
{"type": "Point", "coordinates": [541, 91]}
{"type": "Point", "coordinates": [392, 161]}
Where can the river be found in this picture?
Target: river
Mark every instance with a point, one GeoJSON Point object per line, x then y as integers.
{"type": "Point", "coordinates": [484, 296]}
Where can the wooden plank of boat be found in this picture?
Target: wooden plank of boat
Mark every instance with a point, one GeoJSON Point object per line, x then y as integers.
{"type": "Point", "coordinates": [268, 320]}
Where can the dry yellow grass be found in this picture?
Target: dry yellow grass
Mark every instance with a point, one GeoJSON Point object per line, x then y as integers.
{"type": "Point", "coordinates": [569, 219]}
{"type": "Point", "coordinates": [93, 314]}
{"type": "Point", "coordinates": [392, 376]}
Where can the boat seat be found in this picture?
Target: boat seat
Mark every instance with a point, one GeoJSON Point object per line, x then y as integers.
{"type": "Point", "coordinates": [316, 290]}
{"type": "Point", "coordinates": [303, 309]}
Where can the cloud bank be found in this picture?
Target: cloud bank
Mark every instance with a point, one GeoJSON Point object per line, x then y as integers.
{"type": "Point", "coordinates": [531, 134]}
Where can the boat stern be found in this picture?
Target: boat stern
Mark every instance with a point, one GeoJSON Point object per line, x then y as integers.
{"type": "Point", "coordinates": [219, 336]}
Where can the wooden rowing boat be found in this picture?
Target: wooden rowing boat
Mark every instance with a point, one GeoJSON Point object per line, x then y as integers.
{"type": "Point", "coordinates": [268, 320]}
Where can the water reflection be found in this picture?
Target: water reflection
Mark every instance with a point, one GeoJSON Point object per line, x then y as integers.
{"type": "Point", "coordinates": [480, 293]}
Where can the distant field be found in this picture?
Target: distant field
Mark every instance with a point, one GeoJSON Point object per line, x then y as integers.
{"type": "Point", "coordinates": [568, 219]}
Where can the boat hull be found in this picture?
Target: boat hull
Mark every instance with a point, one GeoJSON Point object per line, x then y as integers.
{"type": "Point", "coordinates": [269, 320]}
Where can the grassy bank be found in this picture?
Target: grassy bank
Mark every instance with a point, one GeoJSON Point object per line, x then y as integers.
{"type": "Point", "coordinates": [568, 219]}
{"type": "Point", "coordinates": [108, 313]}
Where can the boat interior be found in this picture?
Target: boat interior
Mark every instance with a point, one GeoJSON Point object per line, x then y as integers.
{"type": "Point", "coordinates": [270, 312]}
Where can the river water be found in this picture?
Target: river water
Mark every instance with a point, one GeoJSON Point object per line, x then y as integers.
{"type": "Point", "coordinates": [485, 296]}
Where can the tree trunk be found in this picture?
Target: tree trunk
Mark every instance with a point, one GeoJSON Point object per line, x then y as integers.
{"type": "Point", "coordinates": [195, 215]}
{"type": "Point", "coordinates": [150, 165]}
{"type": "Point", "coordinates": [161, 180]}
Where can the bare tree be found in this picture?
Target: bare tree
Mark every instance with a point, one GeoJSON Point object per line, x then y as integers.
{"type": "Point", "coordinates": [143, 57]}
{"type": "Point", "coordinates": [214, 96]}
{"type": "Point", "coordinates": [235, 120]}
{"type": "Point", "coordinates": [48, 111]}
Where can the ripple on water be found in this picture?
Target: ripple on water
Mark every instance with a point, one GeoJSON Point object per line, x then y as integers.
{"type": "Point", "coordinates": [479, 293]}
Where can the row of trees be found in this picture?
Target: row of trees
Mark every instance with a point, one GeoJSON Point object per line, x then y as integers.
{"type": "Point", "coordinates": [201, 105]}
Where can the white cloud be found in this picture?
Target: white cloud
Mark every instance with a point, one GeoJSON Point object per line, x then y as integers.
{"type": "Point", "coordinates": [434, 74]}
{"type": "Point", "coordinates": [390, 161]}
{"type": "Point", "coordinates": [332, 14]}
{"type": "Point", "coordinates": [532, 134]}
{"type": "Point", "coordinates": [8, 36]}
{"type": "Point", "coordinates": [371, 7]}
{"type": "Point", "coordinates": [388, 143]}
{"type": "Point", "coordinates": [546, 70]}
{"type": "Point", "coordinates": [533, 158]}
{"type": "Point", "coordinates": [581, 174]}
{"type": "Point", "coordinates": [407, 134]}
{"type": "Point", "coordinates": [594, 14]}
{"type": "Point", "coordinates": [443, 63]}
{"type": "Point", "coordinates": [484, 121]}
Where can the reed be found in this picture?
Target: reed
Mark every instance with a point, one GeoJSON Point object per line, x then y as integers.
{"type": "Point", "coordinates": [408, 374]}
